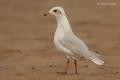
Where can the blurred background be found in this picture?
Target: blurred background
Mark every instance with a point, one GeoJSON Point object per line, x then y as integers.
{"type": "Point", "coordinates": [26, 39]}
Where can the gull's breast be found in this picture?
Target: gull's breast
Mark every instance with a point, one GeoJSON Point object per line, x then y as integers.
{"type": "Point", "coordinates": [57, 38]}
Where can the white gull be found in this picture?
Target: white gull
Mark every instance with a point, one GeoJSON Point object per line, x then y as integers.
{"type": "Point", "coordinates": [66, 41]}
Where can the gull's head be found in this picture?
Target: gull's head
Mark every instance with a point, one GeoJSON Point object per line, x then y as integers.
{"type": "Point", "coordinates": [56, 11]}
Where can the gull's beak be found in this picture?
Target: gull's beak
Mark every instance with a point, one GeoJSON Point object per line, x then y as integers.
{"type": "Point", "coordinates": [45, 14]}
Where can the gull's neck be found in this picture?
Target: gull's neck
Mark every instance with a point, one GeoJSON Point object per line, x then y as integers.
{"type": "Point", "coordinates": [63, 23]}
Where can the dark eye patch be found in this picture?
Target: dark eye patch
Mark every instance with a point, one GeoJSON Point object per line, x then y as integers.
{"type": "Point", "coordinates": [55, 10]}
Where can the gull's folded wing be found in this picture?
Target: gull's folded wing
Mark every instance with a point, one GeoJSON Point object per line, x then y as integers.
{"type": "Point", "coordinates": [78, 47]}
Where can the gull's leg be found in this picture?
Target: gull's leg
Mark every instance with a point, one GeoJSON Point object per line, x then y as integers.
{"type": "Point", "coordinates": [75, 63]}
{"type": "Point", "coordinates": [67, 63]}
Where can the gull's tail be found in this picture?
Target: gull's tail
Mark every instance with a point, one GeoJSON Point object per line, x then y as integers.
{"type": "Point", "coordinates": [96, 58]}
{"type": "Point", "coordinates": [98, 61]}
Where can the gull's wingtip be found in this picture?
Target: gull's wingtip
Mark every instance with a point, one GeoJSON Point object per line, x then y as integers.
{"type": "Point", "coordinates": [98, 61]}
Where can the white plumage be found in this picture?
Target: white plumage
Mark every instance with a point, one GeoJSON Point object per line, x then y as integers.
{"type": "Point", "coordinates": [65, 40]}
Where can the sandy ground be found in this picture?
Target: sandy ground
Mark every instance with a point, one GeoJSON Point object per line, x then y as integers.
{"type": "Point", "coordinates": [26, 39]}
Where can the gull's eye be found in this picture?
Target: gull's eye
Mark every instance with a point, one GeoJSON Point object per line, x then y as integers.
{"type": "Point", "coordinates": [55, 10]}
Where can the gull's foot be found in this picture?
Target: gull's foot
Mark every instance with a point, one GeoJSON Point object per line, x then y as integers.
{"type": "Point", "coordinates": [62, 73]}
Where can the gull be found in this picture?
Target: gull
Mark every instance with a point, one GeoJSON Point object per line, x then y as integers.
{"type": "Point", "coordinates": [65, 40]}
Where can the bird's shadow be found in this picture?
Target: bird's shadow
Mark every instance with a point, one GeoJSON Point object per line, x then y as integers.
{"type": "Point", "coordinates": [64, 73]}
